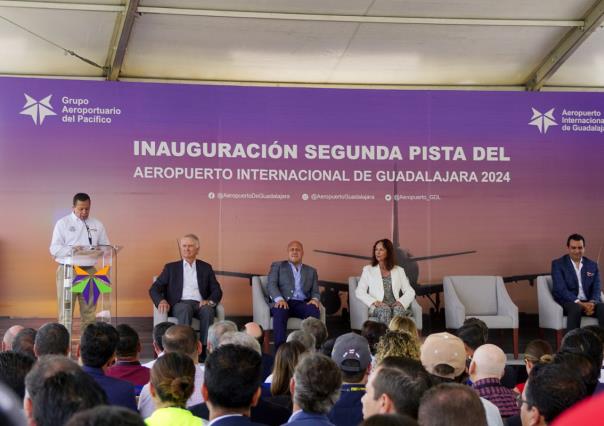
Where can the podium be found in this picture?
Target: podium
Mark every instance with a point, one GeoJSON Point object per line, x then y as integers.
{"type": "Point", "coordinates": [93, 273]}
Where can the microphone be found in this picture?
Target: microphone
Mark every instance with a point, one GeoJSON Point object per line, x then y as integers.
{"type": "Point", "coordinates": [88, 230]}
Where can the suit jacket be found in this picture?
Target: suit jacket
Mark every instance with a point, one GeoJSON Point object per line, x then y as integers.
{"type": "Point", "coordinates": [170, 282]}
{"type": "Point", "coordinates": [264, 412]}
{"type": "Point", "coordinates": [565, 283]}
{"type": "Point", "coordinates": [281, 281]}
{"type": "Point", "coordinates": [310, 419]}
{"type": "Point", "coordinates": [119, 392]}
{"type": "Point", "coordinates": [371, 287]}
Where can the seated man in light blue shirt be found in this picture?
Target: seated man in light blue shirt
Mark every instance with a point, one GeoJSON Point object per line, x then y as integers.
{"type": "Point", "coordinates": [293, 289]}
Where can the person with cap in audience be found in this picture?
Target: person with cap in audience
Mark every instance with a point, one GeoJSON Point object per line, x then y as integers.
{"type": "Point", "coordinates": [443, 355]}
{"type": "Point", "coordinates": [351, 353]}
{"type": "Point", "coordinates": [486, 370]}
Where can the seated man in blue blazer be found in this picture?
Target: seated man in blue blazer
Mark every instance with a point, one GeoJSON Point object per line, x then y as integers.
{"type": "Point", "coordinates": [294, 290]}
{"type": "Point", "coordinates": [576, 284]}
{"type": "Point", "coordinates": [188, 288]}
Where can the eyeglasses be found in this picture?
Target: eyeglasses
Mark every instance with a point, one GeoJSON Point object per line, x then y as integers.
{"type": "Point", "coordinates": [520, 401]}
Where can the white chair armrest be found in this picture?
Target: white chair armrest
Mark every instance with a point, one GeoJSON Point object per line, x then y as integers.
{"type": "Point", "coordinates": [261, 309]}
{"type": "Point", "coordinates": [550, 312]}
{"type": "Point", "coordinates": [455, 311]}
{"type": "Point", "coordinates": [505, 304]}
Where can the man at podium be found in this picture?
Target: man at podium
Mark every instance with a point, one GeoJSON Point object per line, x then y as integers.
{"type": "Point", "coordinates": [76, 229]}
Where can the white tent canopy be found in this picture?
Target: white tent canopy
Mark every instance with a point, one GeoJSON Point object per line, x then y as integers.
{"type": "Point", "coordinates": [513, 44]}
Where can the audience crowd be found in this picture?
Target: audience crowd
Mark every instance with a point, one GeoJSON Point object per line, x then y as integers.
{"type": "Point", "coordinates": [386, 375]}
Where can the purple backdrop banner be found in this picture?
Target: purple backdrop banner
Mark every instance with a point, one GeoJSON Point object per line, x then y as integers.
{"type": "Point", "coordinates": [505, 174]}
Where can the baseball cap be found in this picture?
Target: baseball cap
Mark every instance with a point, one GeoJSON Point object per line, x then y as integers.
{"type": "Point", "coordinates": [354, 347]}
{"type": "Point", "coordinates": [443, 348]}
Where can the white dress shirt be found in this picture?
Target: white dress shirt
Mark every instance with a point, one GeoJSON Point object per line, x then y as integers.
{"type": "Point", "coordinates": [71, 231]}
{"type": "Point", "coordinates": [581, 295]}
{"type": "Point", "coordinates": [190, 287]}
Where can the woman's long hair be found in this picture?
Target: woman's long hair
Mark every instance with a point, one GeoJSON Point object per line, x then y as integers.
{"type": "Point", "coordinates": [390, 257]}
{"type": "Point", "coordinates": [286, 359]}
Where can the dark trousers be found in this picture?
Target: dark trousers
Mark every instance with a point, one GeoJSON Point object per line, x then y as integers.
{"type": "Point", "coordinates": [574, 312]}
{"type": "Point", "coordinates": [186, 310]}
{"type": "Point", "coordinates": [298, 309]}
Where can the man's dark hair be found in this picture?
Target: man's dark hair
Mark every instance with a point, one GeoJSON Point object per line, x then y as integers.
{"type": "Point", "coordinates": [106, 415]}
{"type": "Point", "coordinates": [451, 404]}
{"type": "Point", "coordinates": [315, 327]}
{"type": "Point", "coordinates": [97, 344]}
{"type": "Point", "coordinates": [582, 366]}
{"type": "Point", "coordinates": [14, 366]}
{"type": "Point", "coordinates": [180, 338]}
{"type": "Point", "coordinates": [574, 237]}
{"type": "Point", "coordinates": [389, 420]}
{"type": "Point", "coordinates": [390, 254]}
{"type": "Point", "coordinates": [232, 376]}
{"type": "Point", "coordinates": [373, 331]}
{"type": "Point", "coordinates": [317, 383]}
{"type": "Point", "coordinates": [327, 347]}
{"type": "Point", "coordinates": [24, 342]}
{"type": "Point", "coordinates": [52, 338]}
{"type": "Point", "coordinates": [47, 366]}
{"type": "Point", "coordinates": [584, 342]}
{"type": "Point", "coordinates": [597, 330]}
{"type": "Point", "coordinates": [553, 388]}
{"type": "Point", "coordinates": [472, 321]}
{"type": "Point", "coordinates": [472, 335]}
{"type": "Point", "coordinates": [128, 342]}
{"type": "Point", "coordinates": [404, 383]}
{"type": "Point", "coordinates": [80, 196]}
{"type": "Point", "coordinates": [64, 394]}
{"type": "Point", "coordinates": [158, 333]}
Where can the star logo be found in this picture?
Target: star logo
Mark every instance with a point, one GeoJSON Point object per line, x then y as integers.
{"type": "Point", "coordinates": [91, 285]}
{"type": "Point", "coordinates": [37, 110]}
{"type": "Point", "coordinates": [543, 121]}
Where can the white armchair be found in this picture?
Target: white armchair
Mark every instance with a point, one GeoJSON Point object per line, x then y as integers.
{"type": "Point", "coordinates": [551, 314]}
{"type": "Point", "coordinates": [482, 297]}
{"type": "Point", "coordinates": [262, 311]}
{"type": "Point", "coordinates": [359, 313]}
